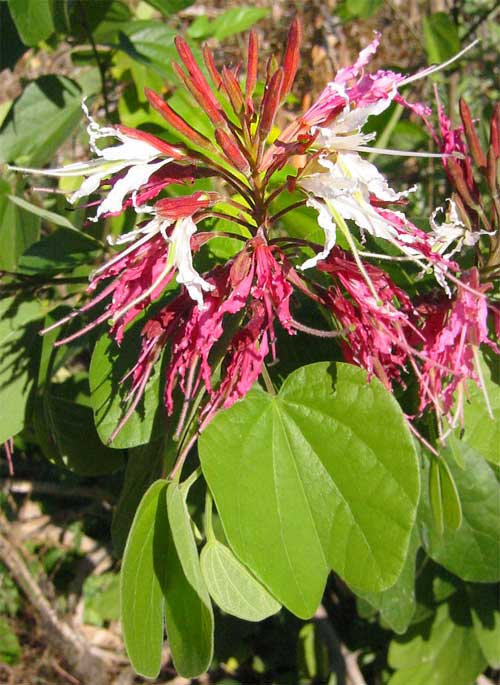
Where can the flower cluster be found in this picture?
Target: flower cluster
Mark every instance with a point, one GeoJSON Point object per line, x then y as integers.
{"type": "Point", "coordinates": [219, 328]}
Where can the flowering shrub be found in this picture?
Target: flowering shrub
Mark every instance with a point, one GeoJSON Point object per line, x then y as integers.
{"type": "Point", "coordinates": [311, 467]}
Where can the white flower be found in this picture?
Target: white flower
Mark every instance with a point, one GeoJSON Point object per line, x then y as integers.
{"type": "Point", "coordinates": [180, 254]}
{"type": "Point", "coordinates": [133, 154]}
{"type": "Point", "coordinates": [344, 190]}
{"type": "Point", "coordinates": [452, 229]}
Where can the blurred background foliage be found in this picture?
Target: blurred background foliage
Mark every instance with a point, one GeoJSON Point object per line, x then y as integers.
{"type": "Point", "coordinates": [70, 500]}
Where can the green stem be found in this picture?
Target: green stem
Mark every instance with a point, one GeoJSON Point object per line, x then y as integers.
{"type": "Point", "coordinates": [209, 529]}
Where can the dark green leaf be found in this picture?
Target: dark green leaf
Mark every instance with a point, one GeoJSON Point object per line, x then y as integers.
{"type": "Point", "coordinates": [108, 366]}
{"type": "Point", "coordinates": [144, 466]}
{"type": "Point", "coordinates": [189, 616]}
{"type": "Point", "coordinates": [19, 352]}
{"type": "Point", "coordinates": [40, 120]}
{"type": "Point", "coordinates": [438, 651]}
{"type": "Point", "coordinates": [233, 587]}
{"type": "Point", "coordinates": [484, 603]}
{"type": "Point", "coordinates": [33, 19]}
{"type": "Point", "coordinates": [150, 43]}
{"type": "Point", "coordinates": [62, 416]}
{"type": "Point", "coordinates": [141, 595]}
{"type": "Point", "coordinates": [11, 46]}
{"type": "Point", "coordinates": [473, 551]}
{"type": "Point", "coordinates": [60, 251]}
{"type": "Point", "coordinates": [347, 503]}
{"type": "Point", "coordinates": [18, 230]}
{"type": "Point", "coordinates": [440, 37]}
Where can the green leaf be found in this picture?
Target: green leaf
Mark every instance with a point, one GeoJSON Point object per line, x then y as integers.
{"type": "Point", "coordinates": [397, 604]}
{"type": "Point", "coordinates": [40, 120]}
{"type": "Point", "coordinates": [141, 595]}
{"type": "Point", "coordinates": [33, 19]}
{"type": "Point", "coordinates": [62, 416]}
{"type": "Point", "coordinates": [482, 433]}
{"type": "Point", "coordinates": [108, 366]}
{"type": "Point", "coordinates": [104, 19]}
{"type": "Point", "coordinates": [150, 43]}
{"type": "Point", "coordinates": [168, 7]}
{"type": "Point", "coordinates": [232, 21]}
{"type": "Point", "coordinates": [11, 45]}
{"type": "Point", "coordinates": [18, 230]}
{"type": "Point", "coordinates": [101, 595]}
{"type": "Point", "coordinates": [59, 252]}
{"type": "Point", "coordinates": [282, 483]}
{"type": "Point", "coordinates": [19, 352]}
{"type": "Point", "coordinates": [472, 551]}
{"type": "Point", "coordinates": [484, 603]}
{"type": "Point", "coordinates": [189, 616]}
{"type": "Point", "coordinates": [444, 499]}
{"type": "Point", "coordinates": [440, 37]}
{"type": "Point", "coordinates": [440, 650]}
{"type": "Point", "coordinates": [144, 466]}
{"type": "Point", "coordinates": [354, 9]}
{"type": "Point", "coordinates": [10, 649]}
{"type": "Point", "coordinates": [45, 214]}
{"type": "Point", "coordinates": [233, 587]}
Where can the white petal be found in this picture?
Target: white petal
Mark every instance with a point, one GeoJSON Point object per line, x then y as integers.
{"type": "Point", "coordinates": [135, 177]}
{"type": "Point", "coordinates": [131, 149]}
{"type": "Point", "coordinates": [326, 222]}
{"type": "Point", "coordinates": [351, 165]}
{"type": "Point", "coordinates": [90, 185]}
{"type": "Point", "coordinates": [180, 252]}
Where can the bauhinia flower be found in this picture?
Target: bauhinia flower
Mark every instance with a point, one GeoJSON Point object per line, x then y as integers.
{"type": "Point", "coordinates": [218, 329]}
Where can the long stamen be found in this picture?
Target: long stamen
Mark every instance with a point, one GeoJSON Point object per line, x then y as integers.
{"type": "Point", "coordinates": [436, 67]}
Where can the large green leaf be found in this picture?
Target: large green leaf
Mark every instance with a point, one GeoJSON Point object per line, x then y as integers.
{"type": "Point", "coordinates": [40, 120]}
{"type": "Point", "coordinates": [144, 466]}
{"type": "Point", "coordinates": [440, 651]}
{"type": "Point", "coordinates": [232, 21]}
{"type": "Point", "coordinates": [108, 366]}
{"type": "Point", "coordinates": [322, 475]}
{"type": "Point", "coordinates": [233, 587]}
{"type": "Point", "coordinates": [142, 572]}
{"type": "Point", "coordinates": [397, 604]}
{"type": "Point", "coordinates": [189, 616]}
{"type": "Point", "coordinates": [440, 37]}
{"type": "Point", "coordinates": [18, 229]}
{"type": "Point", "coordinates": [484, 603]}
{"type": "Point", "coordinates": [33, 19]}
{"type": "Point", "coordinates": [472, 551]}
{"type": "Point", "coordinates": [482, 432]}
{"type": "Point", "coordinates": [19, 353]}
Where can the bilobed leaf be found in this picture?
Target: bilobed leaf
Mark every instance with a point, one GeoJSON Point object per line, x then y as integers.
{"type": "Point", "coordinates": [324, 474]}
{"type": "Point", "coordinates": [141, 597]}
{"type": "Point", "coordinates": [108, 366]}
{"type": "Point", "coordinates": [189, 616]}
{"type": "Point", "coordinates": [144, 466]}
{"type": "Point", "coordinates": [232, 586]}
{"type": "Point", "coordinates": [40, 120]}
{"type": "Point", "coordinates": [472, 551]}
{"type": "Point", "coordinates": [33, 19]}
{"type": "Point", "coordinates": [484, 601]}
{"type": "Point", "coordinates": [396, 605]}
{"type": "Point", "coordinates": [482, 432]}
{"type": "Point", "coordinates": [19, 353]}
{"type": "Point", "coordinates": [441, 650]}
{"type": "Point", "coordinates": [440, 37]}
